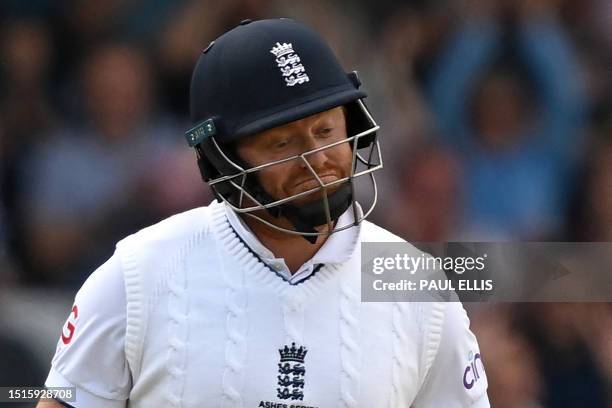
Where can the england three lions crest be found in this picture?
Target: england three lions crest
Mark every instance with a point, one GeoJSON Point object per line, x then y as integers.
{"type": "Point", "coordinates": [291, 370]}
{"type": "Point", "coordinates": [289, 63]}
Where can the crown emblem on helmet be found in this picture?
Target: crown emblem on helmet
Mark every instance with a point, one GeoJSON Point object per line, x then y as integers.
{"type": "Point", "coordinates": [289, 64]}
{"type": "Point", "coordinates": [293, 354]}
{"type": "Point", "coordinates": [282, 49]}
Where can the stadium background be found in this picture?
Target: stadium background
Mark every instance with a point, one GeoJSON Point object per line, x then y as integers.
{"type": "Point", "coordinates": [497, 125]}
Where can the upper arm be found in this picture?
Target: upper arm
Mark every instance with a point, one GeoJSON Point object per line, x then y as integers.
{"type": "Point", "coordinates": [457, 377]}
{"type": "Point", "coordinates": [90, 352]}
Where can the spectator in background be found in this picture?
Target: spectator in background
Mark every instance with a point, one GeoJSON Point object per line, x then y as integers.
{"type": "Point", "coordinates": [429, 195]}
{"type": "Point", "coordinates": [78, 182]}
{"type": "Point", "coordinates": [572, 344]}
{"type": "Point", "coordinates": [515, 126]}
{"type": "Point", "coordinates": [601, 13]}
{"type": "Point", "coordinates": [25, 114]}
{"type": "Point", "coordinates": [596, 212]}
{"type": "Point", "coordinates": [512, 366]}
{"type": "Point", "coordinates": [180, 39]}
{"type": "Point", "coordinates": [6, 261]}
{"type": "Point", "coordinates": [24, 103]}
{"type": "Point", "coordinates": [401, 47]}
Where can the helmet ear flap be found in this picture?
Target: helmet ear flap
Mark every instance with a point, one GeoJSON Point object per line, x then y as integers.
{"type": "Point", "coordinates": [357, 122]}
{"type": "Point", "coordinates": [356, 119]}
{"type": "Point", "coordinates": [208, 172]}
{"type": "Point", "coordinates": [213, 164]}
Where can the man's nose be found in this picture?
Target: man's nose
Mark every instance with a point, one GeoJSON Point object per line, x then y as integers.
{"type": "Point", "coordinates": [317, 158]}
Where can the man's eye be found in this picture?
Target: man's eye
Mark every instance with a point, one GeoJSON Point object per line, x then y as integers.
{"type": "Point", "coordinates": [326, 131]}
{"type": "Point", "coordinates": [280, 144]}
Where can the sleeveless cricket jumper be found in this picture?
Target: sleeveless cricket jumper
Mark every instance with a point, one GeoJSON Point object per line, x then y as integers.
{"type": "Point", "coordinates": [208, 324]}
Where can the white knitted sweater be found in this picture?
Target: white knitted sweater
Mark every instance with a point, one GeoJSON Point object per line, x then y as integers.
{"type": "Point", "coordinates": [209, 325]}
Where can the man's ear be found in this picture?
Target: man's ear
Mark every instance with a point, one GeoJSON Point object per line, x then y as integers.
{"type": "Point", "coordinates": [231, 150]}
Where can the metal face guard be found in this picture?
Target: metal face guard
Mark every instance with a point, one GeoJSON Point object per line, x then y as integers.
{"type": "Point", "coordinates": [360, 166]}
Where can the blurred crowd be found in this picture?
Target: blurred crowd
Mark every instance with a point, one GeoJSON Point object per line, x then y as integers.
{"type": "Point", "coordinates": [496, 123]}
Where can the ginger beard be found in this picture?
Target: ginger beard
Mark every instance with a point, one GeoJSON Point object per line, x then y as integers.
{"type": "Point", "coordinates": [300, 179]}
{"type": "Point", "coordinates": [294, 176]}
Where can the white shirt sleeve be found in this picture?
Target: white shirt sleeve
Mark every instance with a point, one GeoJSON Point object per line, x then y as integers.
{"type": "Point", "coordinates": [90, 352]}
{"type": "Point", "coordinates": [457, 376]}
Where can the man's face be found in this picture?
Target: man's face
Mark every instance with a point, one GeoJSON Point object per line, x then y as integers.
{"type": "Point", "coordinates": [295, 138]}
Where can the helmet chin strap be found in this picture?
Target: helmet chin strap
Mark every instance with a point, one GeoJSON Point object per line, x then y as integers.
{"type": "Point", "coordinates": [307, 216]}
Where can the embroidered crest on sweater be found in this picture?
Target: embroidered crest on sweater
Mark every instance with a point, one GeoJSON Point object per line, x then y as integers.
{"type": "Point", "coordinates": [291, 371]}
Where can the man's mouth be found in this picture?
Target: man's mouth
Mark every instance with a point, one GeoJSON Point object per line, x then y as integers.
{"type": "Point", "coordinates": [311, 183]}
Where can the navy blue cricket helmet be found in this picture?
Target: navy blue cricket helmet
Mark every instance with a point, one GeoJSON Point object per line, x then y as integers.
{"type": "Point", "coordinates": [263, 74]}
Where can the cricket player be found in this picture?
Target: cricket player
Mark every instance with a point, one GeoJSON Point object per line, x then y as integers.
{"type": "Point", "coordinates": [254, 300]}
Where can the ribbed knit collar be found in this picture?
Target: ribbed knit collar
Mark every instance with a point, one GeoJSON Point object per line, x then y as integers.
{"type": "Point", "coordinates": [337, 249]}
